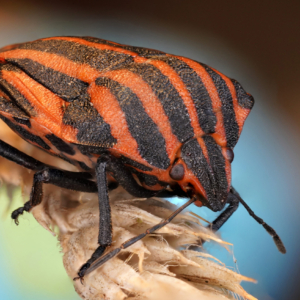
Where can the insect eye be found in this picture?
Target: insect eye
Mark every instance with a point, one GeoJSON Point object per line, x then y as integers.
{"type": "Point", "coordinates": [177, 172]}
{"type": "Point", "coordinates": [229, 155]}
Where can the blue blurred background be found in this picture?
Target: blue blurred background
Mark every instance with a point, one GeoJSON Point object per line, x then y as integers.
{"type": "Point", "coordinates": [255, 42]}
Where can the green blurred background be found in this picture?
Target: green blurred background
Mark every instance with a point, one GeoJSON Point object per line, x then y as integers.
{"type": "Point", "coordinates": [255, 42]}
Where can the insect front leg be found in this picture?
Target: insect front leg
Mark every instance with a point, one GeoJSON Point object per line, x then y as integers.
{"type": "Point", "coordinates": [233, 204]}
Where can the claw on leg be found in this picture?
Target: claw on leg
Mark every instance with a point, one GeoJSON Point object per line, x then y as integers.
{"type": "Point", "coordinates": [16, 213]}
{"type": "Point", "coordinates": [79, 278]}
{"type": "Point", "coordinates": [83, 269]}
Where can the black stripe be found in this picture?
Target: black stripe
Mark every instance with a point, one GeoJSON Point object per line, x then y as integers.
{"type": "Point", "coordinates": [245, 100]}
{"type": "Point", "coordinates": [210, 174]}
{"type": "Point", "coordinates": [73, 161]}
{"type": "Point", "coordinates": [67, 159]}
{"type": "Point", "coordinates": [15, 95]}
{"type": "Point", "coordinates": [23, 121]}
{"type": "Point", "coordinates": [9, 67]}
{"type": "Point", "coordinates": [147, 179]}
{"type": "Point", "coordinates": [151, 143]}
{"type": "Point", "coordinates": [12, 109]}
{"type": "Point", "coordinates": [198, 92]}
{"type": "Point", "coordinates": [217, 163]}
{"type": "Point", "coordinates": [83, 165]}
{"type": "Point", "coordinates": [98, 59]}
{"type": "Point", "coordinates": [192, 155]}
{"type": "Point", "coordinates": [25, 134]}
{"type": "Point", "coordinates": [90, 150]}
{"type": "Point", "coordinates": [92, 129]}
{"type": "Point", "coordinates": [141, 51]}
{"type": "Point", "coordinates": [169, 97]}
{"type": "Point", "coordinates": [133, 163]}
{"type": "Point", "coordinates": [60, 144]}
{"type": "Point", "coordinates": [66, 87]}
{"type": "Point", "coordinates": [229, 119]}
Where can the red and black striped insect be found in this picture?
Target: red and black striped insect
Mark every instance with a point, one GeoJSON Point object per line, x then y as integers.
{"type": "Point", "coordinates": [158, 124]}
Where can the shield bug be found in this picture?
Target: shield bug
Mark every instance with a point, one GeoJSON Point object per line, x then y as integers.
{"type": "Point", "coordinates": [158, 124]}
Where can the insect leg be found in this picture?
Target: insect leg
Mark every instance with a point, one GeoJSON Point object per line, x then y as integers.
{"type": "Point", "coordinates": [105, 224]}
{"type": "Point", "coordinates": [77, 181]}
{"type": "Point", "coordinates": [24, 160]}
{"type": "Point", "coordinates": [19, 157]}
{"type": "Point", "coordinates": [123, 176]}
{"type": "Point", "coordinates": [101, 260]}
{"type": "Point", "coordinates": [233, 202]}
{"type": "Point", "coordinates": [65, 179]}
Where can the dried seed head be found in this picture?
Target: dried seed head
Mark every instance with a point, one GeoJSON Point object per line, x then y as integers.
{"type": "Point", "coordinates": [153, 268]}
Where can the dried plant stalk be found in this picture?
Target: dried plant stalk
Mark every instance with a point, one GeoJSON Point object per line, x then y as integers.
{"type": "Point", "coordinates": [157, 267]}
{"type": "Point", "coordinates": [153, 268]}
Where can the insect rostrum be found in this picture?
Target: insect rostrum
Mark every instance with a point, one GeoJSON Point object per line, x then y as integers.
{"type": "Point", "coordinates": [158, 124]}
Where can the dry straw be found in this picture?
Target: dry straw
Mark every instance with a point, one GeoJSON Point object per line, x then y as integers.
{"type": "Point", "coordinates": [158, 267]}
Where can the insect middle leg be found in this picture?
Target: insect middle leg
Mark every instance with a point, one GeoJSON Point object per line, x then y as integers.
{"type": "Point", "coordinates": [107, 163]}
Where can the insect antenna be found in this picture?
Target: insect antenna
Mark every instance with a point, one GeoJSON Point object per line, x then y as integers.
{"type": "Point", "coordinates": [278, 242]}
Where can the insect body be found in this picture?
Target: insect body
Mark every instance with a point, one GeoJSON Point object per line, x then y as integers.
{"type": "Point", "coordinates": [157, 123]}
